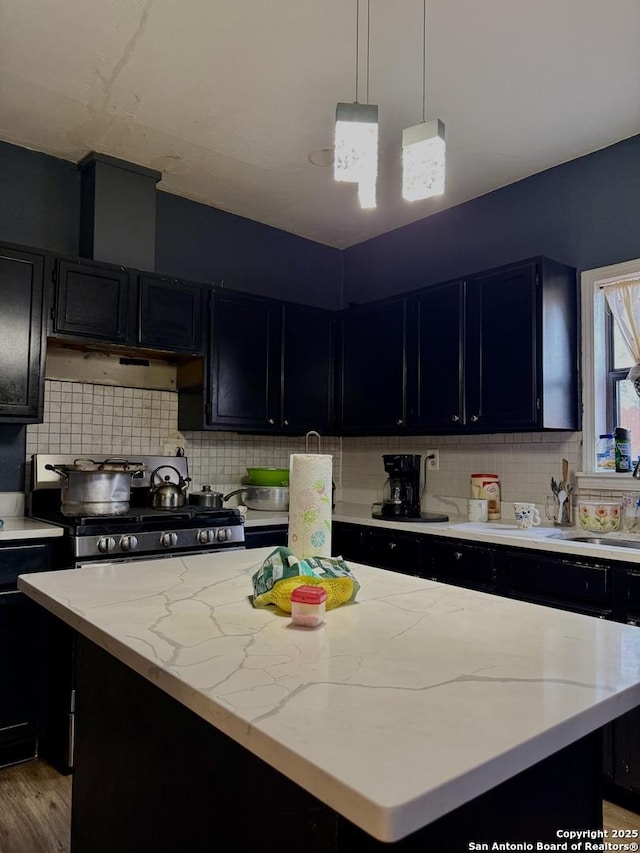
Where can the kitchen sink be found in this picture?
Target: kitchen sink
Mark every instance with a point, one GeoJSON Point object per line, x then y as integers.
{"type": "Point", "coordinates": [600, 540]}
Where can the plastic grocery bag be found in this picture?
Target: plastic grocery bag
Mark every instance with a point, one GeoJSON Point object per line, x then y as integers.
{"type": "Point", "coordinates": [282, 572]}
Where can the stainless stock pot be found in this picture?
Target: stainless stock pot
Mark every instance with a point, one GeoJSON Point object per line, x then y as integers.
{"type": "Point", "coordinates": [96, 488]}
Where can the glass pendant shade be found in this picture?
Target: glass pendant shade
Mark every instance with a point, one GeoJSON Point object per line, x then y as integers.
{"type": "Point", "coordinates": [367, 194]}
{"type": "Point", "coordinates": [356, 144]}
{"type": "Point", "coordinates": [423, 160]}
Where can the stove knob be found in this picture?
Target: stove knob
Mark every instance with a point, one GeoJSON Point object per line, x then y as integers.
{"type": "Point", "coordinates": [207, 537]}
{"type": "Point", "coordinates": [129, 543]}
{"type": "Point", "coordinates": [106, 544]}
{"type": "Point", "coordinates": [222, 535]}
{"type": "Point", "coordinates": [169, 540]}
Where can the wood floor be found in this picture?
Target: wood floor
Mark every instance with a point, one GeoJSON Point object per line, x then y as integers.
{"type": "Point", "coordinates": [35, 808]}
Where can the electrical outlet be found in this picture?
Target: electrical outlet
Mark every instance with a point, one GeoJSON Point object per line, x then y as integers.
{"type": "Point", "coordinates": [433, 460]}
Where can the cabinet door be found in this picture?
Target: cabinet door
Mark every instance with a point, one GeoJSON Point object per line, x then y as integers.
{"type": "Point", "coordinates": [94, 301]}
{"type": "Point", "coordinates": [307, 368]}
{"type": "Point", "coordinates": [436, 324]}
{"type": "Point", "coordinates": [347, 541]}
{"type": "Point", "coordinates": [170, 314]}
{"type": "Point", "coordinates": [21, 336]}
{"type": "Point", "coordinates": [373, 368]}
{"type": "Point", "coordinates": [562, 583]}
{"type": "Point", "coordinates": [245, 362]}
{"type": "Point", "coordinates": [271, 536]}
{"type": "Point", "coordinates": [626, 750]}
{"type": "Point", "coordinates": [399, 551]}
{"type": "Point", "coordinates": [22, 666]}
{"type": "Point", "coordinates": [461, 564]}
{"type": "Point", "coordinates": [501, 359]}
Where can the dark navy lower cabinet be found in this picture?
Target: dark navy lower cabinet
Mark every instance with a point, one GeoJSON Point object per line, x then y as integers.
{"type": "Point", "coordinates": [581, 586]}
{"type": "Point", "coordinates": [460, 563]}
{"type": "Point", "coordinates": [23, 653]}
{"type": "Point", "coordinates": [272, 535]}
{"type": "Point", "coordinates": [347, 541]}
{"type": "Point", "coordinates": [399, 551]}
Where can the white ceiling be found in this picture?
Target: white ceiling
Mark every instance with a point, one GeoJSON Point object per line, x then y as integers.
{"type": "Point", "coordinates": [228, 97]}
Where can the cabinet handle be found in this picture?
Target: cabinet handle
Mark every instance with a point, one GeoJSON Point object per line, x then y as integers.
{"type": "Point", "coordinates": [399, 422]}
{"type": "Point", "coordinates": [455, 418]}
{"type": "Point", "coordinates": [271, 421]}
{"type": "Point", "coordinates": [474, 418]}
{"type": "Point", "coordinates": [285, 422]}
{"type": "Point", "coordinates": [457, 555]}
{"type": "Point", "coordinates": [392, 545]}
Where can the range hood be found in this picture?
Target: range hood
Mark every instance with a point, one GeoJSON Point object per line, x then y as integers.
{"type": "Point", "coordinates": [118, 211]}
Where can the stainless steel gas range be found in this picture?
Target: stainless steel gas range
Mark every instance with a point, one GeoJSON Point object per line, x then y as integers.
{"type": "Point", "coordinates": [143, 532]}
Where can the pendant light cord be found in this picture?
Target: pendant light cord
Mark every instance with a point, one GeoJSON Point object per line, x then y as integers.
{"type": "Point", "coordinates": [368, 42]}
{"type": "Point", "coordinates": [424, 62]}
{"type": "Point", "coordinates": [357, 43]}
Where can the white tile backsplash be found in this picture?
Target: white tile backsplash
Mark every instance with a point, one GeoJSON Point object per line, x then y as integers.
{"type": "Point", "coordinates": [88, 419]}
{"type": "Point", "coordinates": [524, 462]}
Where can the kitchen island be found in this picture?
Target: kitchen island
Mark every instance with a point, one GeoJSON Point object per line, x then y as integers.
{"type": "Point", "coordinates": [419, 714]}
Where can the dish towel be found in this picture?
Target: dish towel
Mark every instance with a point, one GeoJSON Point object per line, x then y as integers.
{"type": "Point", "coordinates": [310, 504]}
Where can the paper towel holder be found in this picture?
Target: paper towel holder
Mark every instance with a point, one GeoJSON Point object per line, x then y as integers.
{"type": "Point", "coordinates": [312, 432]}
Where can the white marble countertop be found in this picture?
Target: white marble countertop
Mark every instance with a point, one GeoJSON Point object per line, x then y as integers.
{"type": "Point", "coordinates": [259, 518]}
{"type": "Point", "coordinates": [403, 706]}
{"type": "Point", "coordinates": [17, 527]}
{"type": "Point", "coordinates": [502, 532]}
{"type": "Point", "coordinates": [497, 533]}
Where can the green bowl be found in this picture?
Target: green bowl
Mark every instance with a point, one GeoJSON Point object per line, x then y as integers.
{"type": "Point", "coordinates": [268, 476]}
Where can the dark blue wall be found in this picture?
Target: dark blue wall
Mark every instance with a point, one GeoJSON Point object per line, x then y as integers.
{"type": "Point", "coordinates": [584, 213]}
{"type": "Point", "coordinates": [12, 457]}
{"type": "Point", "coordinates": [204, 244]}
{"type": "Point", "coordinates": [39, 200]}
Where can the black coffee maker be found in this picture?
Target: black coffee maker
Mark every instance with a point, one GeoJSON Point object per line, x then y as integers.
{"type": "Point", "coordinates": [401, 500]}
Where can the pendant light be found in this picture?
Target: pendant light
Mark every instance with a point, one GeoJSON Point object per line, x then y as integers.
{"type": "Point", "coordinates": [423, 146]}
{"type": "Point", "coordinates": [356, 136]}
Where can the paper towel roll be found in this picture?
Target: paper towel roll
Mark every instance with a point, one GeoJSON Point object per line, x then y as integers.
{"type": "Point", "coordinates": [310, 504]}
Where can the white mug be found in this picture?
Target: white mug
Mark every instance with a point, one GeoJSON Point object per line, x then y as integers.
{"type": "Point", "coordinates": [478, 509]}
{"type": "Point", "coordinates": [526, 515]}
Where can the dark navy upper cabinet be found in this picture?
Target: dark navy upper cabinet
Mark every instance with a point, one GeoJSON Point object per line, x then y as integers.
{"type": "Point", "coordinates": [436, 365]}
{"type": "Point", "coordinates": [108, 304]}
{"type": "Point", "coordinates": [372, 374]}
{"type": "Point", "coordinates": [269, 368]}
{"type": "Point", "coordinates": [94, 301]}
{"type": "Point", "coordinates": [496, 352]}
{"type": "Point", "coordinates": [244, 388]}
{"type": "Point", "coordinates": [307, 368]}
{"type": "Point", "coordinates": [22, 335]}
{"type": "Point", "coordinates": [170, 314]}
{"type": "Point", "coordinates": [521, 356]}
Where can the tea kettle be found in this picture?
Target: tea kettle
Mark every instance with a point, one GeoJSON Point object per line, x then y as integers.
{"type": "Point", "coordinates": [167, 494]}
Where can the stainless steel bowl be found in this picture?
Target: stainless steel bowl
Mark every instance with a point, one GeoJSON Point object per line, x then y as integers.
{"type": "Point", "coordinates": [268, 498]}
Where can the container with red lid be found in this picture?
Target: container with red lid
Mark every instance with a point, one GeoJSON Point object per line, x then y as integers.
{"type": "Point", "coordinates": [308, 605]}
{"type": "Point", "coordinates": [487, 486]}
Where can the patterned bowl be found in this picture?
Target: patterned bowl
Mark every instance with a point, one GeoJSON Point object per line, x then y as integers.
{"type": "Point", "coordinates": [599, 516]}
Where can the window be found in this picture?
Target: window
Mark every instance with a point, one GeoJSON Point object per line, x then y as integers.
{"type": "Point", "coordinates": [622, 402]}
{"type": "Point", "coordinates": [609, 399]}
